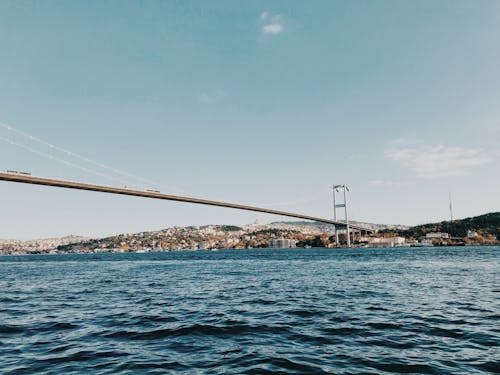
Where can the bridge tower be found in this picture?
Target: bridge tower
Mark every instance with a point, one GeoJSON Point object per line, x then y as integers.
{"type": "Point", "coordinates": [341, 190]}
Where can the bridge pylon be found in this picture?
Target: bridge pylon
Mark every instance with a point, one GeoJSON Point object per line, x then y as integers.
{"type": "Point", "coordinates": [341, 190]}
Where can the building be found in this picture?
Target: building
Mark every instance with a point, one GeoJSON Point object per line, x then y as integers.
{"type": "Point", "coordinates": [437, 235]}
{"type": "Point", "coordinates": [426, 242]}
{"type": "Point", "coordinates": [472, 234]}
{"type": "Point", "coordinates": [282, 243]}
{"type": "Point", "coordinates": [386, 241]}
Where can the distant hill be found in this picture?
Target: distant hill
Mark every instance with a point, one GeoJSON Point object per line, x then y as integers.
{"type": "Point", "coordinates": [37, 245]}
{"type": "Point", "coordinates": [487, 224]}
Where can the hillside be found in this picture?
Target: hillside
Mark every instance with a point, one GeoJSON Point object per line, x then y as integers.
{"type": "Point", "coordinates": [487, 228]}
{"type": "Point", "coordinates": [487, 224]}
{"type": "Point", "coordinates": [37, 245]}
{"type": "Point", "coordinates": [197, 237]}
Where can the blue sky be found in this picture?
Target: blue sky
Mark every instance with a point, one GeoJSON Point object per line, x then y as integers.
{"type": "Point", "coordinates": [265, 102]}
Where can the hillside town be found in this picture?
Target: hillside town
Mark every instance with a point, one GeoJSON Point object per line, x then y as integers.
{"type": "Point", "coordinates": [274, 235]}
{"type": "Point", "coordinates": [37, 246]}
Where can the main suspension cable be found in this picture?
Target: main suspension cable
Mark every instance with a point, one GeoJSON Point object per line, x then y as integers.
{"type": "Point", "coordinates": [116, 171]}
{"type": "Point", "coordinates": [52, 157]}
{"type": "Point", "coordinates": [78, 156]}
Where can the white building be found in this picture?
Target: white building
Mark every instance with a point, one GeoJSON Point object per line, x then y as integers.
{"type": "Point", "coordinates": [437, 235]}
{"type": "Point", "coordinates": [472, 234]}
{"type": "Point", "coordinates": [426, 242]}
{"type": "Point", "coordinates": [386, 242]}
{"type": "Point", "coordinates": [282, 243]}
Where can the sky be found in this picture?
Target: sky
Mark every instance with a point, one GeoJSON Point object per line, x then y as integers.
{"type": "Point", "coordinates": [259, 102]}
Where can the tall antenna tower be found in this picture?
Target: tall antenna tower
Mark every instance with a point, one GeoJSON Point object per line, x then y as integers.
{"type": "Point", "coordinates": [340, 189]}
{"type": "Point", "coordinates": [451, 208]}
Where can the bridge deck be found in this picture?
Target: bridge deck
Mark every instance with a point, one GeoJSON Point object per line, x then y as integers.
{"type": "Point", "coordinates": [28, 179]}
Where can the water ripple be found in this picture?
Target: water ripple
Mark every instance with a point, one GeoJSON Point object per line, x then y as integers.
{"type": "Point", "coordinates": [426, 311]}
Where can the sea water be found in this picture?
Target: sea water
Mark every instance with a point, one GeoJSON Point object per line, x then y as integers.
{"type": "Point", "coordinates": [310, 311]}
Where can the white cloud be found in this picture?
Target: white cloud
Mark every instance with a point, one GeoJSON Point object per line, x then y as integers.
{"type": "Point", "coordinates": [437, 161]}
{"type": "Point", "coordinates": [274, 28]}
{"type": "Point", "coordinates": [272, 24]}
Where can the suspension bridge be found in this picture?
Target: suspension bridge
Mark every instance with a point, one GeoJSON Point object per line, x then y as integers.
{"type": "Point", "coordinates": [27, 178]}
{"type": "Point", "coordinates": [21, 177]}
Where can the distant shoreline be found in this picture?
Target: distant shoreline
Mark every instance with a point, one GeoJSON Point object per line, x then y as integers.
{"type": "Point", "coordinates": [252, 249]}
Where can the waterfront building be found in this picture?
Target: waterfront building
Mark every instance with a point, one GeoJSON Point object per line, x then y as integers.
{"type": "Point", "coordinates": [386, 241]}
{"type": "Point", "coordinates": [282, 243]}
{"type": "Point", "coordinates": [437, 235]}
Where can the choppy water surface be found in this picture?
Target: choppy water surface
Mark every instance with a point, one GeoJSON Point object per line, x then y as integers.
{"type": "Point", "coordinates": [257, 311]}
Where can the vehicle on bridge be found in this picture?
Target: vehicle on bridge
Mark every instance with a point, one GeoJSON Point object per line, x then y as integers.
{"type": "Point", "coordinates": [19, 172]}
